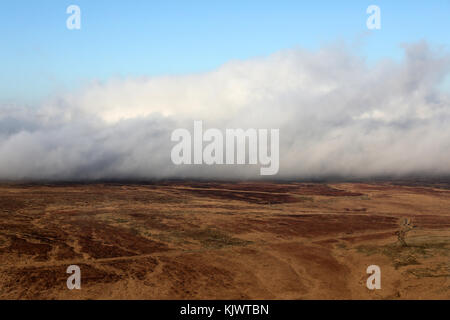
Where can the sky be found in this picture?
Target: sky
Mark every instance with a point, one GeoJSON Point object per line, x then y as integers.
{"type": "Point", "coordinates": [40, 57]}
{"type": "Point", "coordinates": [102, 102]}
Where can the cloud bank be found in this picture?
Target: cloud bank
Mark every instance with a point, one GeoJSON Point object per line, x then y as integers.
{"type": "Point", "coordinates": [337, 116]}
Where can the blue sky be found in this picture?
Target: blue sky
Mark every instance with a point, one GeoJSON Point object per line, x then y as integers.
{"type": "Point", "coordinates": [40, 56]}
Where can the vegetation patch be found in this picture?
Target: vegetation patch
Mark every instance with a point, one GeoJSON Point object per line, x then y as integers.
{"type": "Point", "coordinates": [405, 255]}
{"type": "Point", "coordinates": [440, 271]}
{"type": "Point", "coordinates": [209, 238]}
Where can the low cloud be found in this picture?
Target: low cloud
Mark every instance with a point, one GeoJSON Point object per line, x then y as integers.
{"type": "Point", "coordinates": [337, 116]}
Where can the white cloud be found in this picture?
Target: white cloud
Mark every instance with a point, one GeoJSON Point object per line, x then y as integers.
{"type": "Point", "coordinates": [336, 116]}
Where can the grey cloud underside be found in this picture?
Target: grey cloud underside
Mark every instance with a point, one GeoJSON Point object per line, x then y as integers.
{"type": "Point", "coordinates": [337, 117]}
